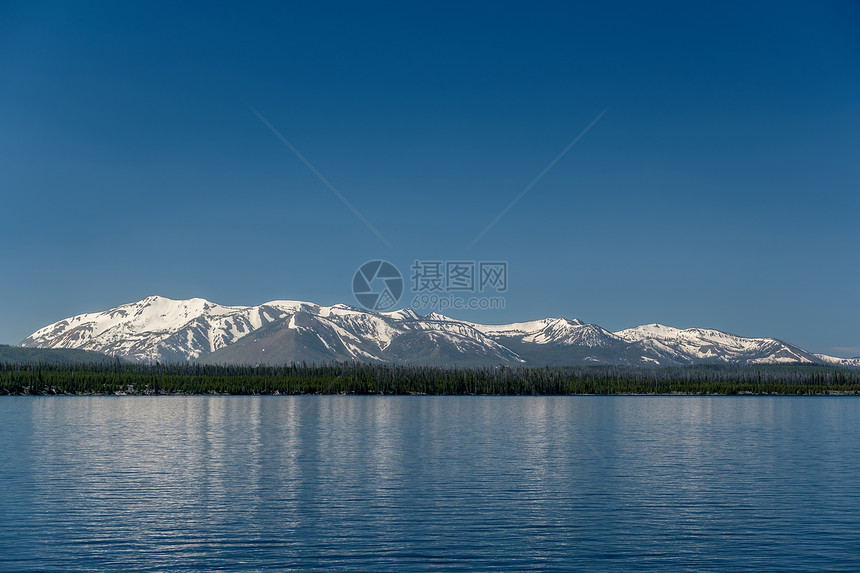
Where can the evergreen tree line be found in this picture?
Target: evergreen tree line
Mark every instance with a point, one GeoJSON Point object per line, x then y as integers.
{"type": "Point", "coordinates": [359, 378]}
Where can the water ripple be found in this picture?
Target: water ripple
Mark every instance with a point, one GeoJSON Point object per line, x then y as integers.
{"type": "Point", "coordinates": [429, 483]}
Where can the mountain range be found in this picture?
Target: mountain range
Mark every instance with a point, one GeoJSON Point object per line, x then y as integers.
{"type": "Point", "coordinates": [159, 329]}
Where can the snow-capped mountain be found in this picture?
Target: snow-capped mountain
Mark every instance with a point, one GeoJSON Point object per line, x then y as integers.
{"type": "Point", "coordinates": [850, 362]}
{"type": "Point", "coordinates": [158, 328]}
{"type": "Point", "coordinates": [161, 329]}
{"type": "Point", "coordinates": [560, 342]}
{"type": "Point", "coordinates": [344, 333]}
{"type": "Point", "coordinates": [165, 330]}
{"type": "Point", "coordinates": [666, 344]}
{"type": "Point", "coordinates": [556, 331]}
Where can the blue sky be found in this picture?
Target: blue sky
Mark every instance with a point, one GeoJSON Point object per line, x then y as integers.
{"type": "Point", "coordinates": [720, 189]}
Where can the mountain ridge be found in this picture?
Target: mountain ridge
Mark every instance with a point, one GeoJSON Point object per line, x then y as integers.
{"type": "Point", "coordinates": [160, 329]}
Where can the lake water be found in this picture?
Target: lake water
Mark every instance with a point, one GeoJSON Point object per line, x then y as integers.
{"type": "Point", "coordinates": [429, 483]}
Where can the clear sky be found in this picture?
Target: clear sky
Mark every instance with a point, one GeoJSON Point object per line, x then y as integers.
{"type": "Point", "coordinates": [720, 189]}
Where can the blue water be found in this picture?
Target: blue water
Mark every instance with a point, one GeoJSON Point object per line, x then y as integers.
{"type": "Point", "coordinates": [429, 483]}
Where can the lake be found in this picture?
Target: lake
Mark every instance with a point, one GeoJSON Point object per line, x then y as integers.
{"type": "Point", "coordinates": [419, 483]}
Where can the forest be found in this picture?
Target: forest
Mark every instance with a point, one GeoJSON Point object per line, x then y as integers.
{"type": "Point", "coordinates": [387, 379]}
